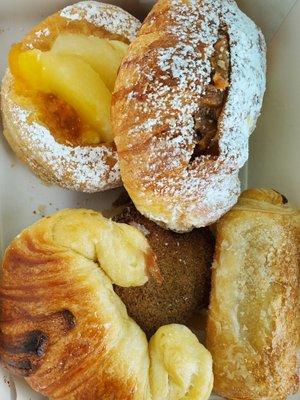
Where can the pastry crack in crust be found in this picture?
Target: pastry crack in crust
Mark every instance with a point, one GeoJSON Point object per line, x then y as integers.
{"type": "Point", "coordinates": [213, 100]}
{"type": "Point", "coordinates": [160, 92]}
{"type": "Point", "coordinates": [65, 329]}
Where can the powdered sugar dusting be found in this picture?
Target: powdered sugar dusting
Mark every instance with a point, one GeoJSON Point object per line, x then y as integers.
{"type": "Point", "coordinates": [79, 168]}
{"type": "Point", "coordinates": [88, 169]}
{"type": "Point", "coordinates": [172, 79]}
{"type": "Point", "coordinates": [112, 18]}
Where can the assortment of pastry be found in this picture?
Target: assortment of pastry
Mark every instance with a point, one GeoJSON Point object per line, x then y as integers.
{"type": "Point", "coordinates": [101, 308]}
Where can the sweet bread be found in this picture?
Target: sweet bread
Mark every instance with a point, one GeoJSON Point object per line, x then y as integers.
{"type": "Point", "coordinates": [186, 99]}
{"type": "Point", "coordinates": [184, 262]}
{"type": "Point", "coordinates": [56, 95]}
{"type": "Point", "coordinates": [252, 324]}
{"type": "Point", "coordinates": [66, 331]}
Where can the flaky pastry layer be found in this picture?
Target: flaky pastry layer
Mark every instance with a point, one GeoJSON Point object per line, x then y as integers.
{"type": "Point", "coordinates": [252, 326]}
{"type": "Point", "coordinates": [68, 333]}
{"type": "Point", "coordinates": [167, 75]}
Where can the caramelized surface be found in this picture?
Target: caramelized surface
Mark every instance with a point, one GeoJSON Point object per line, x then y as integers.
{"type": "Point", "coordinates": [62, 120]}
{"type": "Point", "coordinates": [66, 117]}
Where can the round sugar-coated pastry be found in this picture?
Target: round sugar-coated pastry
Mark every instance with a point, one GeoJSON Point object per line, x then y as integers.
{"type": "Point", "coordinates": [56, 95]}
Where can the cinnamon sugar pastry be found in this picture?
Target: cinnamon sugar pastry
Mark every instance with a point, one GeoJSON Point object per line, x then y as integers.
{"type": "Point", "coordinates": [252, 325]}
{"type": "Point", "coordinates": [56, 95]}
{"type": "Point", "coordinates": [67, 332]}
{"type": "Point", "coordinates": [186, 99]}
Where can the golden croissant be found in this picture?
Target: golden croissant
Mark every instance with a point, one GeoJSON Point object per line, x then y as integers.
{"type": "Point", "coordinates": [67, 332]}
{"type": "Point", "coordinates": [252, 326]}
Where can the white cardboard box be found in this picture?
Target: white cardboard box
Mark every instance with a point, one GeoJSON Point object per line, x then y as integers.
{"type": "Point", "coordinates": [274, 147]}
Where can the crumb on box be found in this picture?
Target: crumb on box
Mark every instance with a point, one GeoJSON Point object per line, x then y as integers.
{"type": "Point", "coordinates": [41, 209]}
{"type": "Point", "coordinates": [6, 381]}
{"type": "Point", "coordinates": [2, 30]}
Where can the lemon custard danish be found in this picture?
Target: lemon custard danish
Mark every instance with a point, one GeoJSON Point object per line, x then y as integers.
{"type": "Point", "coordinates": [56, 95]}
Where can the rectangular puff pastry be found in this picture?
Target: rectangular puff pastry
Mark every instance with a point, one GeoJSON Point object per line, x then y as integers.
{"type": "Point", "coordinates": [252, 325]}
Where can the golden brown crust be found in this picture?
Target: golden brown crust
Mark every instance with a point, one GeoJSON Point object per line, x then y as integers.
{"type": "Point", "coordinates": [42, 328]}
{"type": "Point", "coordinates": [164, 81]}
{"type": "Point", "coordinates": [82, 168]}
{"type": "Point", "coordinates": [252, 325]}
{"type": "Point", "coordinates": [65, 330]}
{"type": "Point", "coordinates": [184, 261]}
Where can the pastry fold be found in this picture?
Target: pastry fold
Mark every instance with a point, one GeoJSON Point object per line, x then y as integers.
{"type": "Point", "coordinates": [252, 325]}
{"type": "Point", "coordinates": [65, 330]}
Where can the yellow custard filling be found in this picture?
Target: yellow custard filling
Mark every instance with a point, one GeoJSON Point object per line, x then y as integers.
{"type": "Point", "coordinates": [72, 84]}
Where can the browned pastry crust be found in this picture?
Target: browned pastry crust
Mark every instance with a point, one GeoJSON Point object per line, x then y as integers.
{"type": "Point", "coordinates": [90, 168]}
{"type": "Point", "coordinates": [184, 261]}
{"type": "Point", "coordinates": [65, 330]}
{"type": "Point", "coordinates": [252, 326]}
{"type": "Point", "coordinates": [186, 99]}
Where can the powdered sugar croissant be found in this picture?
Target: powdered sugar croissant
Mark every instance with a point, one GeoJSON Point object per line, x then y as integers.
{"type": "Point", "coordinates": [186, 99]}
{"type": "Point", "coordinates": [66, 331]}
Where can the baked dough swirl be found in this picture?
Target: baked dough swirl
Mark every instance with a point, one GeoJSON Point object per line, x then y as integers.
{"type": "Point", "coordinates": [252, 326]}
{"type": "Point", "coordinates": [67, 332]}
{"type": "Point", "coordinates": [187, 97]}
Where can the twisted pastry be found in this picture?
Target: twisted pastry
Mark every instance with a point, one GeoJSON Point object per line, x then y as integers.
{"type": "Point", "coordinates": [66, 331]}
{"type": "Point", "coordinates": [252, 326]}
